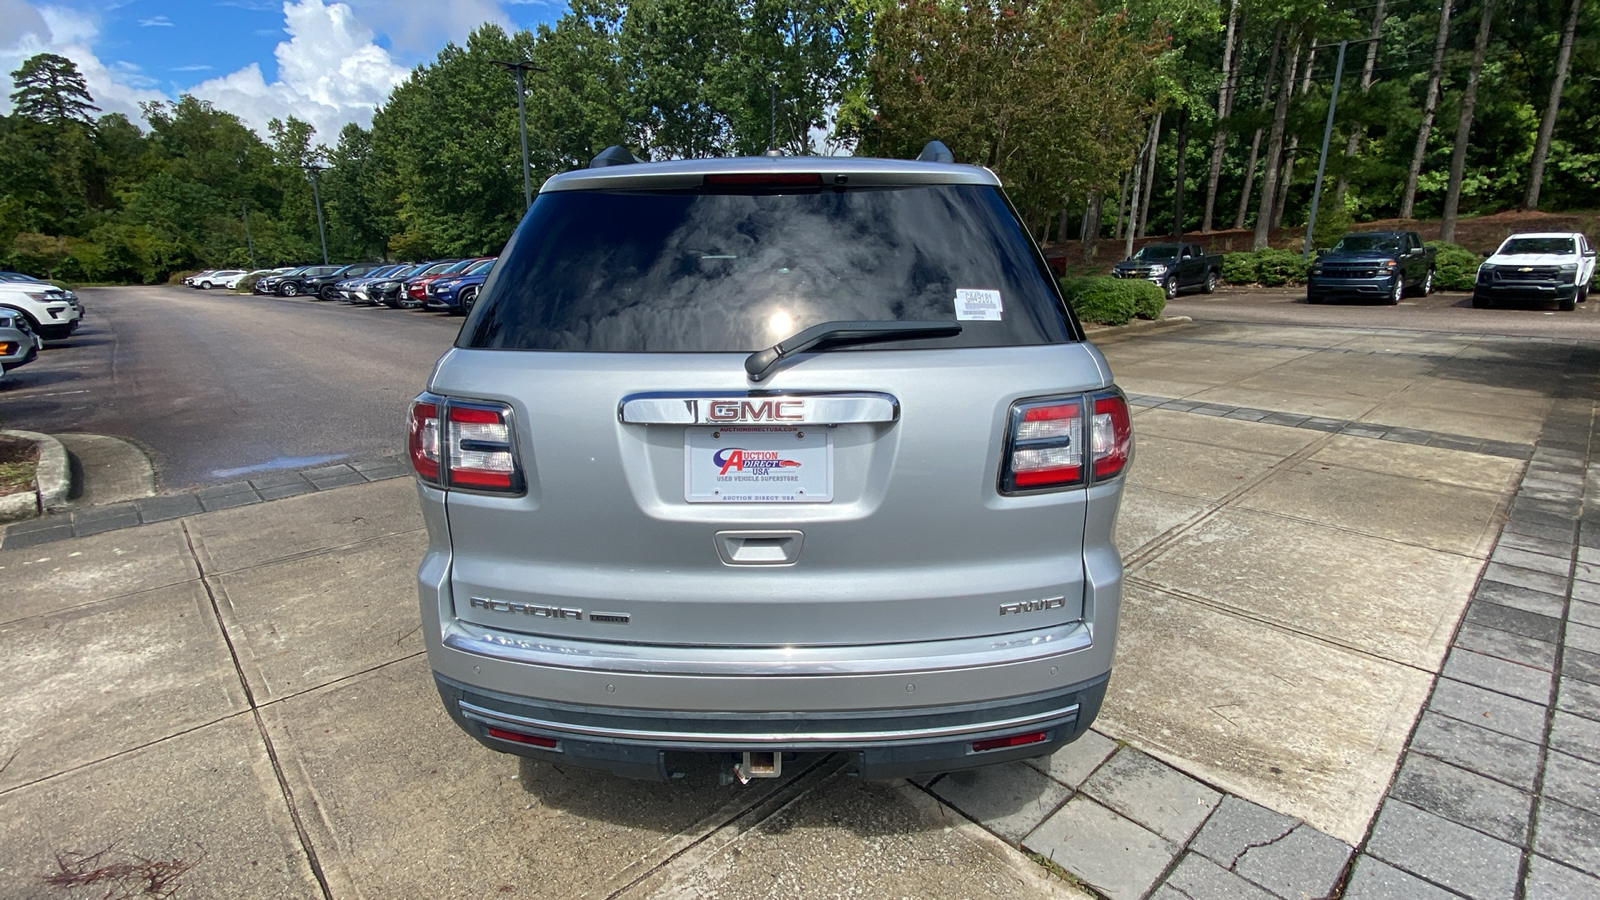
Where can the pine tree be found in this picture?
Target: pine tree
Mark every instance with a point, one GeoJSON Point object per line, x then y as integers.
{"type": "Point", "coordinates": [50, 89]}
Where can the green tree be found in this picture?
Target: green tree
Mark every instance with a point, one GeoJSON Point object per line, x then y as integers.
{"type": "Point", "coordinates": [1047, 93]}
{"type": "Point", "coordinates": [50, 89]}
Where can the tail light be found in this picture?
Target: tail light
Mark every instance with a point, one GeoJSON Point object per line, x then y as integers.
{"type": "Point", "coordinates": [464, 445]}
{"type": "Point", "coordinates": [1111, 438]}
{"type": "Point", "coordinates": [1046, 441]}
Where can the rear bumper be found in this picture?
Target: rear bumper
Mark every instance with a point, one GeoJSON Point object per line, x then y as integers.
{"type": "Point", "coordinates": [883, 743]}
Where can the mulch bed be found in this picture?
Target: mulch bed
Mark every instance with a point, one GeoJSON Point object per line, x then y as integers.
{"type": "Point", "coordinates": [18, 460]}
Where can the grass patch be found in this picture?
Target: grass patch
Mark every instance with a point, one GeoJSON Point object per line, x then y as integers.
{"type": "Point", "coordinates": [18, 460]}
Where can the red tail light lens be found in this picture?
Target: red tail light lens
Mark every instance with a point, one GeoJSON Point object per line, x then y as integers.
{"type": "Point", "coordinates": [1112, 436]}
{"type": "Point", "coordinates": [1044, 448]}
{"type": "Point", "coordinates": [1015, 740]}
{"type": "Point", "coordinates": [463, 445]}
{"type": "Point", "coordinates": [481, 456]}
{"type": "Point", "coordinates": [422, 438]}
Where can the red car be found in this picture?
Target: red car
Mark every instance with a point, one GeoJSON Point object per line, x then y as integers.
{"type": "Point", "coordinates": [416, 287]}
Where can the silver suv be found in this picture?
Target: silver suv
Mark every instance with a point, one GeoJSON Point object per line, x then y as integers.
{"type": "Point", "coordinates": [769, 455]}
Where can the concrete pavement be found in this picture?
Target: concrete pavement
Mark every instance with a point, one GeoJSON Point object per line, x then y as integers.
{"type": "Point", "coordinates": [1306, 522]}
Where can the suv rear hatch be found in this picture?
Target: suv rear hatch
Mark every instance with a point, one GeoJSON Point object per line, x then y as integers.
{"type": "Point", "coordinates": [617, 475]}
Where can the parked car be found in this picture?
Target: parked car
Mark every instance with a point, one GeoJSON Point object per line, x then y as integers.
{"type": "Point", "coordinates": [18, 342]}
{"type": "Point", "coordinates": [192, 280]}
{"type": "Point", "coordinates": [1552, 266]}
{"type": "Point", "coordinates": [51, 312]}
{"type": "Point", "coordinates": [389, 290]}
{"type": "Point", "coordinates": [1173, 267]}
{"type": "Point", "coordinates": [457, 293]}
{"type": "Point", "coordinates": [205, 281]}
{"type": "Point", "coordinates": [415, 294]}
{"type": "Point", "coordinates": [1382, 265]}
{"type": "Point", "coordinates": [271, 283]}
{"type": "Point", "coordinates": [661, 517]}
{"type": "Point", "coordinates": [346, 289]}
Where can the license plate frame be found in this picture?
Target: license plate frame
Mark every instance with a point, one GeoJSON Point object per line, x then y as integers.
{"type": "Point", "coordinates": [772, 464]}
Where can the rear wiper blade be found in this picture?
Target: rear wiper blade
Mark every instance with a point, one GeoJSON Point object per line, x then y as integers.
{"type": "Point", "coordinates": [836, 334]}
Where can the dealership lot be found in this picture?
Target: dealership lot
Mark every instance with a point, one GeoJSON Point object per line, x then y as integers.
{"type": "Point", "coordinates": [1307, 519]}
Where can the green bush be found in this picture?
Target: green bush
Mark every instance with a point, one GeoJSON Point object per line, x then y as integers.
{"type": "Point", "coordinates": [1241, 268]}
{"type": "Point", "coordinates": [1103, 300]}
{"type": "Point", "coordinates": [1455, 268]}
{"type": "Point", "coordinates": [1280, 267]}
{"type": "Point", "coordinates": [247, 284]}
{"type": "Point", "coordinates": [1269, 267]}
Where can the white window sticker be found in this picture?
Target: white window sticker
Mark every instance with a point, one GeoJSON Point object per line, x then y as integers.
{"type": "Point", "coordinates": [977, 306]}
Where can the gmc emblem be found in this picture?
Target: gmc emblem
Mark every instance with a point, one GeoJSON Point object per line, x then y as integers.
{"type": "Point", "coordinates": [756, 411]}
{"type": "Point", "coordinates": [1028, 606]}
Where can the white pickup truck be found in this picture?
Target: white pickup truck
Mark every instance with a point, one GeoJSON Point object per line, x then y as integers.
{"type": "Point", "coordinates": [52, 312]}
{"type": "Point", "coordinates": [1553, 266]}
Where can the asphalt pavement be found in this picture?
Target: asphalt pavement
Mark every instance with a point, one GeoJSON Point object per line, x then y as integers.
{"type": "Point", "coordinates": [1445, 311]}
{"type": "Point", "coordinates": [219, 387]}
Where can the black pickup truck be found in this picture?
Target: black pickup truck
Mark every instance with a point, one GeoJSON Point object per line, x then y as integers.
{"type": "Point", "coordinates": [1174, 267]}
{"type": "Point", "coordinates": [1379, 265]}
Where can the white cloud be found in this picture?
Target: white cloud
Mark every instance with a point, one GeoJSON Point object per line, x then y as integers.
{"type": "Point", "coordinates": [329, 72]}
{"type": "Point", "coordinates": [156, 22]}
{"type": "Point", "coordinates": [422, 26]}
{"type": "Point", "coordinates": [26, 30]}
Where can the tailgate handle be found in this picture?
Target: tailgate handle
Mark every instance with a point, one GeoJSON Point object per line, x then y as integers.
{"type": "Point", "coordinates": [759, 548]}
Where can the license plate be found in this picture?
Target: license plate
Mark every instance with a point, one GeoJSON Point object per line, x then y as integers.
{"type": "Point", "coordinates": [758, 465]}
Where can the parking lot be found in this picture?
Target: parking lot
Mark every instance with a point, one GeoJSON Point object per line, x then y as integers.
{"type": "Point", "coordinates": [1323, 518]}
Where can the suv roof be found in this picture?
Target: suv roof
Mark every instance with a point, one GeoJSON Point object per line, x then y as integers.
{"type": "Point", "coordinates": [689, 172]}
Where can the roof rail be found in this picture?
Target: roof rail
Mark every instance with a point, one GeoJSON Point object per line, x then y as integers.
{"type": "Point", "coordinates": [936, 151]}
{"type": "Point", "coordinates": [613, 156]}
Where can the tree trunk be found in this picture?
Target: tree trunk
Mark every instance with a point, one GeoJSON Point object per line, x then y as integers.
{"type": "Point", "coordinates": [1219, 139]}
{"type": "Point", "coordinates": [1061, 227]}
{"type": "Point", "coordinates": [1269, 169]}
{"type": "Point", "coordinates": [1294, 146]}
{"type": "Point", "coordinates": [1133, 203]}
{"type": "Point", "coordinates": [1150, 174]}
{"type": "Point", "coordinates": [1469, 101]}
{"type": "Point", "coordinates": [1177, 187]}
{"type": "Point", "coordinates": [1122, 203]}
{"type": "Point", "coordinates": [1547, 126]}
{"type": "Point", "coordinates": [1255, 141]}
{"type": "Point", "coordinates": [1430, 103]}
{"type": "Point", "coordinates": [1358, 131]}
{"type": "Point", "coordinates": [1091, 226]}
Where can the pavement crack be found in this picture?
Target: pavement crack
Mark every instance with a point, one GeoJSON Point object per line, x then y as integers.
{"type": "Point", "coordinates": [304, 836]}
{"type": "Point", "coordinates": [1259, 844]}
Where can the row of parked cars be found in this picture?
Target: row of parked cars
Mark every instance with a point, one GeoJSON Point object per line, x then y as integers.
{"type": "Point", "coordinates": [1556, 267]}
{"type": "Point", "coordinates": [449, 285]}
{"type": "Point", "coordinates": [32, 312]}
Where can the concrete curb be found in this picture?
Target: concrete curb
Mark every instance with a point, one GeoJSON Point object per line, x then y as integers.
{"type": "Point", "coordinates": [1137, 326]}
{"type": "Point", "coordinates": [53, 479]}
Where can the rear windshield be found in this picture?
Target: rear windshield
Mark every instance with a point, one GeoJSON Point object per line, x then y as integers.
{"type": "Point", "coordinates": [706, 271]}
{"type": "Point", "coordinates": [1558, 246]}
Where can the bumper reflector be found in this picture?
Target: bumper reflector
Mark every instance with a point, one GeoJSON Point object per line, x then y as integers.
{"type": "Point", "coordinates": [518, 737]}
{"type": "Point", "coordinates": [1015, 740]}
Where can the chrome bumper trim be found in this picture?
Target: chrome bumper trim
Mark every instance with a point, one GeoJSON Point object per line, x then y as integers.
{"type": "Point", "coordinates": [722, 662]}
{"type": "Point", "coordinates": [839, 738]}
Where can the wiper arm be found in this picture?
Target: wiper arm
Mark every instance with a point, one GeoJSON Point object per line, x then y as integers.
{"type": "Point", "coordinates": [835, 334]}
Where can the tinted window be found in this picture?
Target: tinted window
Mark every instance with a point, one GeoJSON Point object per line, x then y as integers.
{"type": "Point", "coordinates": [1562, 246]}
{"type": "Point", "coordinates": [481, 267]}
{"type": "Point", "coordinates": [1156, 252]}
{"type": "Point", "coordinates": [1367, 243]}
{"type": "Point", "coordinates": [705, 271]}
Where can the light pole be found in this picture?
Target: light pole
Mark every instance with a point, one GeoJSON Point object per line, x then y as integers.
{"type": "Point", "coordinates": [313, 170]}
{"type": "Point", "coordinates": [1327, 132]}
{"type": "Point", "coordinates": [245, 208]}
{"type": "Point", "coordinates": [519, 70]}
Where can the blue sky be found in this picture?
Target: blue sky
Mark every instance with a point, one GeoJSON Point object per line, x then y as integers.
{"type": "Point", "coordinates": [323, 60]}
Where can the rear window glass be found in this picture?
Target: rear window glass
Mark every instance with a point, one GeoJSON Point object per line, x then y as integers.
{"type": "Point", "coordinates": [709, 271]}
